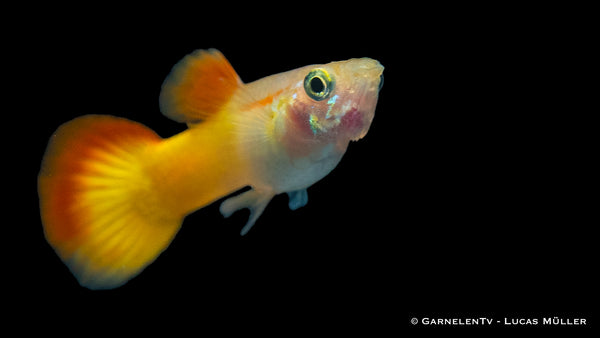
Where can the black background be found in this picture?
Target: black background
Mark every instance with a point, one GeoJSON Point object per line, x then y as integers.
{"type": "Point", "coordinates": [468, 196]}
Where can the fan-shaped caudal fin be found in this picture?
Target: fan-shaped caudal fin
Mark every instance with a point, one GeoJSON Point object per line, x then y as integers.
{"type": "Point", "coordinates": [98, 211]}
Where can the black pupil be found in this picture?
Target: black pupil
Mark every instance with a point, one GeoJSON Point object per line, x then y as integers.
{"type": "Point", "coordinates": [317, 85]}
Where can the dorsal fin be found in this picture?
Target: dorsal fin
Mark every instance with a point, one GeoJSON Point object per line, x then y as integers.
{"type": "Point", "coordinates": [198, 86]}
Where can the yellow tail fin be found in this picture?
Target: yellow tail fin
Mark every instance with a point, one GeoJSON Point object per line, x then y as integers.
{"type": "Point", "coordinates": [98, 209]}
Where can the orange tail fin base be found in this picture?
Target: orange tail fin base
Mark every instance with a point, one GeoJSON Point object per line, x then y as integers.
{"type": "Point", "coordinates": [98, 210]}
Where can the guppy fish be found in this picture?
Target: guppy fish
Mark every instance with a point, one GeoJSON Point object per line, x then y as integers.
{"type": "Point", "coordinates": [113, 194]}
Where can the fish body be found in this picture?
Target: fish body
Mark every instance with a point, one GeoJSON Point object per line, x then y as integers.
{"type": "Point", "coordinates": [113, 194]}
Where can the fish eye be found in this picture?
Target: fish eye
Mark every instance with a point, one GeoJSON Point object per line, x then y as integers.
{"type": "Point", "coordinates": [318, 84]}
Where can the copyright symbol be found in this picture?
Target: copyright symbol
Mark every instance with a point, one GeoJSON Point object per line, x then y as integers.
{"type": "Point", "coordinates": [414, 321]}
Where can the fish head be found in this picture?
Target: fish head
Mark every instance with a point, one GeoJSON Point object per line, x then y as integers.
{"type": "Point", "coordinates": [332, 103]}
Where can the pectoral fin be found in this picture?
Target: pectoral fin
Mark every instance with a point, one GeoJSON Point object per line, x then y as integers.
{"type": "Point", "coordinates": [255, 200]}
{"type": "Point", "coordinates": [298, 199]}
